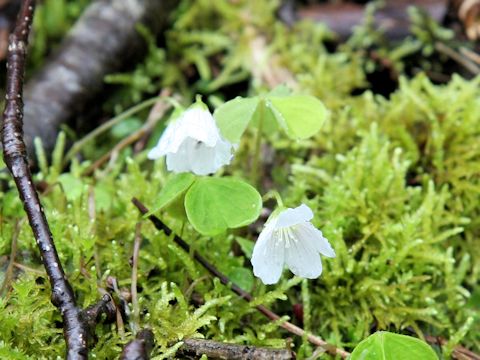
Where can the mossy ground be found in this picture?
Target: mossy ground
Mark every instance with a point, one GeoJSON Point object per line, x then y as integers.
{"type": "Point", "coordinates": [394, 183]}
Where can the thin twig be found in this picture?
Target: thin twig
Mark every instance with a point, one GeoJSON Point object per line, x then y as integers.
{"type": "Point", "coordinates": [466, 63]}
{"type": "Point", "coordinates": [315, 340]}
{"type": "Point", "coordinates": [156, 113]}
{"type": "Point", "coordinates": [120, 308]}
{"type": "Point", "coordinates": [77, 146]}
{"type": "Point", "coordinates": [219, 350]}
{"type": "Point", "coordinates": [146, 128]}
{"type": "Point", "coordinates": [135, 323]}
{"type": "Point", "coordinates": [92, 215]}
{"type": "Point", "coordinates": [29, 269]}
{"type": "Point", "coordinates": [472, 55]}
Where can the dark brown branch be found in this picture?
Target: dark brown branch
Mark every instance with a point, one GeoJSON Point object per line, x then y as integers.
{"type": "Point", "coordinates": [217, 350]}
{"type": "Point", "coordinates": [237, 289]}
{"type": "Point", "coordinates": [75, 322]}
{"type": "Point", "coordinates": [140, 348]}
{"type": "Point", "coordinates": [91, 316]}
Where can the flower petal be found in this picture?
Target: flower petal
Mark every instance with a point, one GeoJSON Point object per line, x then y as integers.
{"type": "Point", "coordinates": [301, 256]}
{"type": "Point", "coordinates": [268, 256]}
{"type": "Point", "coordinates": [194, 123]}
{"type": "Point", "coordinates": [201, 157]}
{"type": "Point", "coordinates": [310, 233]}
{"type": "Point", "coordinates": [178, 162]}
{"type": "Point", "coordinates": [200, 125]}
{"type": "Point", "coordinates": [155, 153]}
{"type": "Point", "coordinates": [173, 136]}
{"type": "Point", "coordinates": [162, 148]}
{"type": "Point", "coordinates": [223, 153]}
{"type": "Point", "coordinates": [290, 217]}
{"type": "Point", "coordinates": [197, 157]}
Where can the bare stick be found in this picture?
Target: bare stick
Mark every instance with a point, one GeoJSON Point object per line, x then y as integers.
{"type": "Point", "coordinates": [465, 62]}
{"type": "Point", "coordinates": [75, 327]}
{"type": "Point", "coordinates": [472, 55]}
{"type": "Point", "coordinates": [219, 350]}
{"type": "Point", "coordinates": [237, 289]}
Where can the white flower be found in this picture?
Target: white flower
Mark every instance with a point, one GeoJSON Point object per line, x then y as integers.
{"type": "Point", "coordinates": [193, 143]}
{"type": "Point", "coordinates": [289, 238]}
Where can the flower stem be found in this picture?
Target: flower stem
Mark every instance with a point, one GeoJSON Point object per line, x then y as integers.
{"type": "Point", "coordinates": [256, 168]}
{"type": "Point", "coordinates": [274, 194]}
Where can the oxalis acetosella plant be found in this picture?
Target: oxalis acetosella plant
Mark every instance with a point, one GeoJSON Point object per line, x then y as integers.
{"type": "Point", "coordinates": [198, 146]}
{"type": "Point", "coordinates": [197, 143]}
